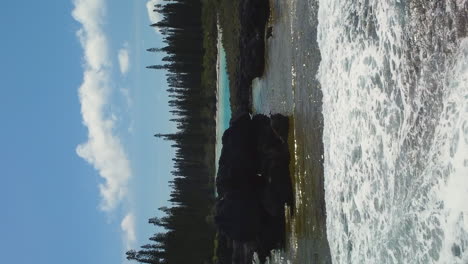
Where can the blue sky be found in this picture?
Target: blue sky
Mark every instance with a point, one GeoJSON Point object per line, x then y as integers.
{"type": "Point", "coordinates": [81, 171]}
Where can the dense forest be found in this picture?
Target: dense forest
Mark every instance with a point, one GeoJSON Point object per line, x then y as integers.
{"type": "Point", "coordinates": [190, 61]}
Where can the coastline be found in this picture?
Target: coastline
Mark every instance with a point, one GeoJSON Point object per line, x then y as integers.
{"type": "Point", "coordinates": [223, 109]}
{"type": "Point", "coordinates": [250, 64]}
{"type": "Point", "coordinates": [292, 56]}
{"type": "Point", "coordinates": [218, 43]}
{"type": "Point", "coordinates": [305, 227]}
{"type": "Point", "coordinates": [244, 23]}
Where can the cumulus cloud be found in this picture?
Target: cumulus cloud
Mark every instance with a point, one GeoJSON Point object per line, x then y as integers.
{"type": "Point", "coordinates": [103, 148]}
{"type": "Point", "coordinates": [128, 227]}
{"type": "Point", "coordinates": [90, 14]}
{"type": "Point", "coordinates": [154, 17]}
{"type": "Point", "coordinates": [124, 60]}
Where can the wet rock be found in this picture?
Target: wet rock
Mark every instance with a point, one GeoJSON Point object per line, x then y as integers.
{"type": "Point", "coordinates": [238, 215]}
{"type": "Point", "coordinates": [253, 182]}
{"type": "Point", "coordinates": [253, 17]}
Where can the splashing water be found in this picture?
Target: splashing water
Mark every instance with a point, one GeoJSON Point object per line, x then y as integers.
{"type": "Point", "coordinates": [395, 112]}
{"type": "Point", "coordinates": [394, 77]}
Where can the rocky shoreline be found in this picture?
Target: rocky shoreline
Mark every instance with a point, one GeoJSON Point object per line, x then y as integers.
{"type": "Point", "coordinates": [253, 17]}
{"type": "Point", "coordinates": [253, 181]}
{"type": "Point", "coordinates": [253, 186]}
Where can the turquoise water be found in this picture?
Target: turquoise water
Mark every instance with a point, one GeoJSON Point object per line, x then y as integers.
{"type": "Point", "coordinates": [223, 115]}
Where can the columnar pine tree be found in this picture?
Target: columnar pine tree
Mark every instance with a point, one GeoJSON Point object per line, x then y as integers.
{"type": "Point", "coordinates": [184, 234]}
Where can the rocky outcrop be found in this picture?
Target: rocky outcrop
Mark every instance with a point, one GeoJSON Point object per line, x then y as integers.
{"type": "Point", "coordinates": [253, 181]}
{"type": "Point", "coordinates": [253, 17]}
{"type": "Point", "coordinates": [253, 184]}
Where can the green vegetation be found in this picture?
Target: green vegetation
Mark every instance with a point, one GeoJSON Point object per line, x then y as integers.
{"type": "Point", "coordinates": [230, 24]}
{"type": "Point", "coordinates": [210, 34]}
{"type": "Point", "coordinates": [227, 11]}
{"type": "Point", "coordinates": [190, 32]}
{"type": "Point", "coordinates": [190, 65]}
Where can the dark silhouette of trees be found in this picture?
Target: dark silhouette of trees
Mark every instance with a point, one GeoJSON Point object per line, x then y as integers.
{"type": "Point", "coordinates": [188, 236]}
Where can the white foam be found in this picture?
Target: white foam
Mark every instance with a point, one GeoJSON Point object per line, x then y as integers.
{"type": "Point", "coordinates": [395, 152]}
{"type": "Point", "coordinates": [451, 150]}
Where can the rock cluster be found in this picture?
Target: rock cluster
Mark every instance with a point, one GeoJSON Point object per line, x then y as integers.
{"type": "Point", "coordinates": [253, 184]}
{"type": "Point", "coordinates": [253, 17]}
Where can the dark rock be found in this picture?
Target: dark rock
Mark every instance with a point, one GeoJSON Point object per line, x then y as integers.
{"type": "Point", "coordinates": [238, 215]}
{"type": "Point", "coordinates": [253, 17]}
{"type": "Point", "coordinates": [243, 252]}
{"type": "Point", "coordinates": [253, 183]}
{"type": "Point", "coordinates": [269, 33]}
{"type": "Point", "coordinates": [237, 163]}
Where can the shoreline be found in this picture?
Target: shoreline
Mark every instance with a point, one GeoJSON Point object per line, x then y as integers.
{"type": "Point", "coordinates": [226, 250]}
{"type": "Point", "coordinates": [287, 87]}
{"type": "Point", "coordinates": [253, 17]}
{"type": "Point", "coordinates": [218, 43]}
{"type": "Point", "coordinates": [223, 112]}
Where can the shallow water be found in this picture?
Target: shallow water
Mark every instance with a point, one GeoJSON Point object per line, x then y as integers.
{"type": "Point", "coordinates": [289, 87]}
{"type": "Point", "coordinates": [223, 106]}
{"type": "Point", "coordinates": [394, 78]}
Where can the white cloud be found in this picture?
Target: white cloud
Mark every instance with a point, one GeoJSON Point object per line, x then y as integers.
{"type": "Point", "coordinates": [90, 14]}
{"type": "Point", "coordinates": [103, 148]}
{"type": "Point", "coordinates": [128, 228]}
{"type": "Point", "coordinates": [124, 60]}
{"type": "Point", "coordinates": [154, 17]}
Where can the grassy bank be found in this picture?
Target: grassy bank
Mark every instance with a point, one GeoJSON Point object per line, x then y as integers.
{"type": "Point", "coordinates": [209, 77]}
{"type": "Point", "coordinates": [230, 24]}
{"type": "Point", "coordinates": [243, 43]}
{"type": "Point", "coordinates": [226, 12]}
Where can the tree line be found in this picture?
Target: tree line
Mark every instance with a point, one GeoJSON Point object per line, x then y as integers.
{"type": "Point", "coordinates": [188, 234]}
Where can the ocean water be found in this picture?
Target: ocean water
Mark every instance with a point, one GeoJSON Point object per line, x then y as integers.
{"type": "Point", "coordinates": [385, 83]}
{"type": "Point", "coordinates": [223, 113]}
